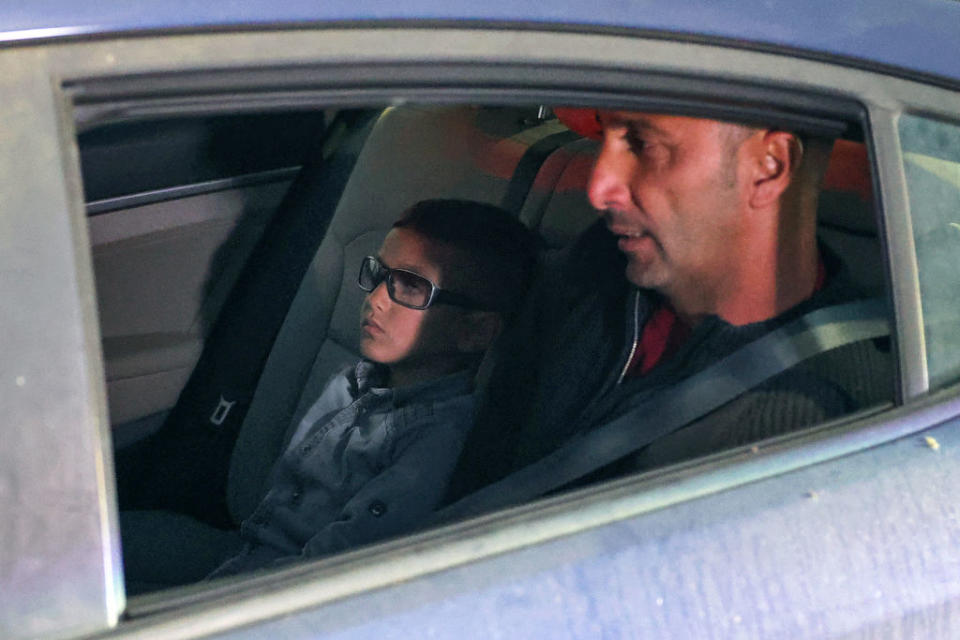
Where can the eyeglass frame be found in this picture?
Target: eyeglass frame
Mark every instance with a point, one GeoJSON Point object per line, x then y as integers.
{"type": "Point", "coordinates": [437, 295]}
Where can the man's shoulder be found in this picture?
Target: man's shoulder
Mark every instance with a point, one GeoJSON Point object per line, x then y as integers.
{"type": "Point", "coordinates": [792, 400]}
{"type": "Point", "coordinates": [839, 287]}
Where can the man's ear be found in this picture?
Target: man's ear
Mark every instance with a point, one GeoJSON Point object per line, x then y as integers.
{"type": "Point", "coordinates": [477, 331]}
{"type": "Point", "coordinates": [776, 157]}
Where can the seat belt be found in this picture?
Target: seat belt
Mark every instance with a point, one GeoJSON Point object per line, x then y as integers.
{"type": "Point", "coordinates": [670, 410]}
{"type": "Point", "coordinates": [529, 166]}
{"type": "Point", "coordinates": [184, 466]}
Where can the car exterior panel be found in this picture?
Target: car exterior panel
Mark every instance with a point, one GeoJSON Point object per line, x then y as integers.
{"type": "Point", "coordinates": [668, 547]}
{"type": "Point", "coordinates": [886, 32]}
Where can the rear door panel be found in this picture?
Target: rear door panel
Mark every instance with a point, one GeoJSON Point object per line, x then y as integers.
{"type": "Point", "coordinates": [163, 271]}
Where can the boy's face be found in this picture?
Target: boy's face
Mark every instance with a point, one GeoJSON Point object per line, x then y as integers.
{"type": "Point", "coordinates": [415, 344]}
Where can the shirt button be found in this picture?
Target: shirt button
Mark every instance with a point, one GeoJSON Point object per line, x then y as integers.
{"type": "Point", "coordinates": [377, 508]}
{"type": "Point", "coordinates": [296, 496]}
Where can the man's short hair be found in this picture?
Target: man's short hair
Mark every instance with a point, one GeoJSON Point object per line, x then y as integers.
{"type": "Point", "coordinates": [499, 252]}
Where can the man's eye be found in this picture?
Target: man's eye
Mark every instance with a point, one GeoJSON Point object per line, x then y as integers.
{"type": "Point", "coordinates": [635, 143]}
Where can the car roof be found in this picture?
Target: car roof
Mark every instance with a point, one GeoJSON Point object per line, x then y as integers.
{"type": "Point", "coordinates": [918, 36]}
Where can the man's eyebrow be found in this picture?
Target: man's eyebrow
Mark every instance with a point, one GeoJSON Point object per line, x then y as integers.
{"type": "Point", "coordinates": [647, 127]}
{"type": "Point", "coordinates": [637, 124]}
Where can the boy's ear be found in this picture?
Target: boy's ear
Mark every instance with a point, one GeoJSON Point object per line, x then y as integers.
{"type": "Point", "coordinates": [477, 331]}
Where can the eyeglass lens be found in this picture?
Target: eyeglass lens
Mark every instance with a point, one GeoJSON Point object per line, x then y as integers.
{"type": "Point", "coordinates": [404, 287]}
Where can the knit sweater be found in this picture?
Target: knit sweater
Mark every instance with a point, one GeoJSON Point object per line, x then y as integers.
{"type": "Point", "coordinates": [560, 372]}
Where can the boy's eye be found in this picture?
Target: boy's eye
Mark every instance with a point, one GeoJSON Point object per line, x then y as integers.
{"type": "Point", "coordinates": [411, 287]}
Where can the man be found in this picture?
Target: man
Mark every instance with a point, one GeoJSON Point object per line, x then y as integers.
{"type": "Point", "coordinates": [707, 241]}
{"type": "Point", "coordinates": [704, 214]}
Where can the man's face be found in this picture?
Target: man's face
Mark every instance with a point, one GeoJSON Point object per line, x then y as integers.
{"type": "Point", "coordinates": [411, 341]}
{"type": "Point", "coordinates": [668, 187]}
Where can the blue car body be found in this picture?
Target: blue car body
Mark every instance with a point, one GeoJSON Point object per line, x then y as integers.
{"type": "Point", "coordinates": [919, 36]}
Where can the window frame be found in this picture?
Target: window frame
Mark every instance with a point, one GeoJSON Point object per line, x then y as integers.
{"type": "Point", "coordinates": [939, 379]}
{"type": "Point", "coordinates": [52, 76]}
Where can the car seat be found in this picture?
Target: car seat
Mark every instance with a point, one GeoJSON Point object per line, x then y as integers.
{"type": "Point", "coordinates": [411, 153]}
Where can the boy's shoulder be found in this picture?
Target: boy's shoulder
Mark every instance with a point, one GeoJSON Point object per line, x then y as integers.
{"type": "Point", "coordinates": [367, 377]}
{"type": "Point", "coordinates": [364, 376]}
{"type": "Point", "coordinates": [457, 385]}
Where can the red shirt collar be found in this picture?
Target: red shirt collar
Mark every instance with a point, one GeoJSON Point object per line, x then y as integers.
{"type": "Point", "coordinates": [664, 333]}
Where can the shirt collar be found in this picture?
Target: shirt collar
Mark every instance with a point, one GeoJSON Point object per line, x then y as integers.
{"type": "Point", "coordinates": [372, 377]}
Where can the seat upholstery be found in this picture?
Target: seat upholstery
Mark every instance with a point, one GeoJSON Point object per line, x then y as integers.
{"type": "Point", "coordinates": [412, 153]}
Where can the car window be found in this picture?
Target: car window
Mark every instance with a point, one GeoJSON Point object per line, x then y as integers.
{"type": "Point", "coordinates": [128, 158]}
{"type": "Point", "coordinates": [931, 152]}
{"type": "Point", "coordinates": [524, 156]}
{"type": "Point", "coordinates": [175, 207]}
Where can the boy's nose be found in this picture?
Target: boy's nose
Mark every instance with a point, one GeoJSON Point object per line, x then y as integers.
{"type": "Point", "coordinates": [379, 298]}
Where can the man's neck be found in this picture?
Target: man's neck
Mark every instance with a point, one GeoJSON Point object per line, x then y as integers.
{"type": "Point", "coordinates": [764, 287]}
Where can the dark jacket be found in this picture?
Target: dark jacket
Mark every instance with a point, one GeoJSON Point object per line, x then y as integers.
{"type": "Point", "coordinates": [561, 370]}
{"type": "Point", "coordinates": [366, 463]}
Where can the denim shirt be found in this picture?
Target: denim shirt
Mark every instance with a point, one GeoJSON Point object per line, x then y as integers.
{"type": "Point", "coordinates": [365, 463]}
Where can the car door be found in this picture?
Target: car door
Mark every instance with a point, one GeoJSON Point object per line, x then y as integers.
{"type": "Point", "coordinates": [175, 206]}
{"type": "Point", "coordinates": [843, 529]}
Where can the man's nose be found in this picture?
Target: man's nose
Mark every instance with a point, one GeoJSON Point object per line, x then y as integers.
{"type": "Point", "coordinates": [609, 184]}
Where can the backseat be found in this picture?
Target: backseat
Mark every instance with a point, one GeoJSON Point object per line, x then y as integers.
{"type": "Point", "coordinates": [412, 153]}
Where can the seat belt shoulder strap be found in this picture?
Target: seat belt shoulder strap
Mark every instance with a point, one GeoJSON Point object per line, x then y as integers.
{"type": "Point", "coordinates": [773, 353]}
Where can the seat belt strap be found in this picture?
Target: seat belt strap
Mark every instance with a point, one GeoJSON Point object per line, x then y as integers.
{"type": "Point", "coordinates": [529, 166]}
{"type": "Point", "coordinates": [185, 464]}
{"type": "Point", "coordinates": [668, 411]}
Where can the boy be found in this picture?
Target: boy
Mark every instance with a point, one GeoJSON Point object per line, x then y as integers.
{"type": "Point", "coordinates": [372, 457]}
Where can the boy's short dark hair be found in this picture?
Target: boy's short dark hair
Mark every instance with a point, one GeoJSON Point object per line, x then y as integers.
{"type": "Point", "coordinates": [500, 253]}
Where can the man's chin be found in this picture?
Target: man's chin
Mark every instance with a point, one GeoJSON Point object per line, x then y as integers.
{"type": "Point", "coordinates": [645, 274]}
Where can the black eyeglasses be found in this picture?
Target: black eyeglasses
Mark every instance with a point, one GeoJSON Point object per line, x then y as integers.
{"type": "Point", "coordinates": [408, 288]}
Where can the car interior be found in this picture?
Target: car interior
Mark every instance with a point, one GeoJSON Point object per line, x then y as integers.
{"type": "Point", "coordinates": [225, 251]}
